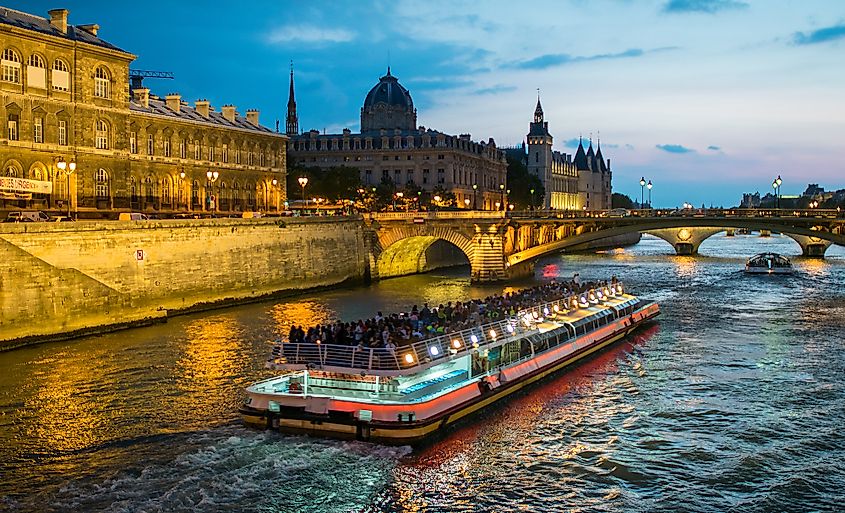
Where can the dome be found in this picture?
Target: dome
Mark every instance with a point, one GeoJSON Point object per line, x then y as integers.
{"type": "Point", "coordinates": [388, 106]}
{"type": "Point", "coordinates": [389, 91]}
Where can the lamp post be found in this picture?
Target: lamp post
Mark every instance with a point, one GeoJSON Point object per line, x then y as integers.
{"type": "Point", "coordinates": [436, 199]}
{"type": "Point", "coordinates": [474, 190]}
{"type": "Point", "coordinates": [466, 202]}
{"type": "Point", "coordinates": [778, 181]}
{"type": "Point", "coordinates": [642, 191]}
{"type": "Point", "coordinates": [498, 205]}
{"type": "Point", "coordinates": [502, 189]}
{"type": "Point", "coordinates": [303, 181]}
{"type": "Point", "coordinates": [67, 168]}
{"type": "Point", "coordinates": [532, 200]}
{"type": "Point", "coordinates": [181, 186]}
{"type": "Point", "coordinates": [399, 195]}
{"type": "Point", "coordinates": [649, 193]}
{"type": "Point", "coordinates": [212, 177]}
{"type": "Point", "coordinates": [275, 182]}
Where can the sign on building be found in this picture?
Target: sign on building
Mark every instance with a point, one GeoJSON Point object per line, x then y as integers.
{"type": "Point", "coordinates": [22, 185]}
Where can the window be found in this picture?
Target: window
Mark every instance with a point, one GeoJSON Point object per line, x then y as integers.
{"type": "Point", "coordinates": [101, 186]}
{"type": "Point", "coordinates": [249, 158]}
{"type": "Point", "coordinates": [441, 176]}
{"type": "Point", "coordinates": [197, 151]}
{"type": "Point", "coordinates": [261, 159]}
{"type": "Point", "coordinates": [183, 149]}
{"type": "Point", "coordinates": [211, 153]}
{"type": "Point", "coordinates": [237, 157]}
{"type": "Point", "coordinates": [368, 176]}
{"type": "Point", "coordinates": [36, 72]}
{"type": "Point", "coordinates": [12, 126]}
{"type": "Point", "coordinates": [441, 157]}
{"type": "Point", "coordinates": [385, 157]}
{"type": "Point", "coordinates": [62, 132]}
{"type": "Point", "coordinates": [11, 64]}
{"type": "Point", "coordinates": [102, 83]}
{"type": "Point", "coordinates": [38, 130]}
{"type": "Point", "coordinates": [101, 140]}
{"type": "Point", "coordinates": [133, 142]}
{"type": "Point", "coordinates": [537, 157]}
{"type": "Point", "coordinates": [225, 153]}
{"type": "Point", "coordinates": [425, 176]}
{"type": "Point", "coordinates": [61, 76]}
{"type": "Point", "coordinates": [166, 147]}
{"type": "Point", "coordinates": [151, 144]}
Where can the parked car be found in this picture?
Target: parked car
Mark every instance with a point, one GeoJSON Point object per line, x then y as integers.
{"type": "Point", "coordinates": [619, 212]}
{"type": "Point", "coordinates": [27, 216]}
{"type": "Point", "coordinates": [132, 216]}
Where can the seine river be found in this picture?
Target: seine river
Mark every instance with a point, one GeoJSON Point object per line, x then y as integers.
{"type": "Point", "coordinates": [733, 401]}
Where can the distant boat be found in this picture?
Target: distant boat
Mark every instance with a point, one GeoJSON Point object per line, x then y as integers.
{"type": "Point", "coordinates": [768, 263]}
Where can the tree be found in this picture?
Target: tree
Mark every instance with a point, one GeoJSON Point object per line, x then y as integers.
{"type": "Point", "coordinates": [520, 183]}
{"type": "Point", "coordinates": [333, 183]}
{"type": "Point", "coordinates": [618, 200]}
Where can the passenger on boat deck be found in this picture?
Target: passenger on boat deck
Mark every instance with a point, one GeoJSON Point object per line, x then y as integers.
{"type": "Point", "coordinates": [408, 327]}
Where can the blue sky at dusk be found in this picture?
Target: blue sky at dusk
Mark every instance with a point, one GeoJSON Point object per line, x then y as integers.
{"type": "Point", "coordinates": [706, 98]}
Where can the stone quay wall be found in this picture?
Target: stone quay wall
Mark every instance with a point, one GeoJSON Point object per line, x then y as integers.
{"type": "Point", "coordinates": [60, 280]}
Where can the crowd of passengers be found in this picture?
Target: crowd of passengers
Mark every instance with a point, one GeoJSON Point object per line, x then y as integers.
{"type": "Point", "coordinates": [399, 329]}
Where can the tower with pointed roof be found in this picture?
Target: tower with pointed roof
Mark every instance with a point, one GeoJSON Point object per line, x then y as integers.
{"type": "Point", "coordinates": [540, 151]}
{"type": "Point", "coordinates": [292, 121]}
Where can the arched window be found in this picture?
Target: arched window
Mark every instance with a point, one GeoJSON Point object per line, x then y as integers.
{"type": "Point", "coordinates": [36, 72]}
{"type": "Point", "coordinates": [102, 82]}
{"type": "Point", "coordinates": [61, 76]}
{"type": "Point", "coordinates": [165, 190]}
{"type": "Point", "coordinates": [149, 190]}
{"type": "Point", "coordinates": [101, 180]}
{"type": "Point", "coordinates": [102, 135]}
{"type": "Point", "coordinates": [195, 194]}
{"type": "Point", "coordinates": [11, 64]}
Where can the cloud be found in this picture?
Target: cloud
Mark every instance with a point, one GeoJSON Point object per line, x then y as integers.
{"type": "Point", "coordinates": [571, 143]}
{"type": "Point", "coordinates": [674, 148]}
{"type": "Point", "coordinates": [309, 34]}
{"type": "Point", "coordinates": [823, 35]}
{"type": "Point", "coordinates": [560, 59]}
{"type": "Point", "coordinates": [496, 89]}
{"type": "Point", "coordinates": [714, 148]}
{"type": "Point", "coordinates": [706, 6]}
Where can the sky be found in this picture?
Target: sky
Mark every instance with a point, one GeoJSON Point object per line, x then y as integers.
{"type": "Point", "coordinates": [706, 98]}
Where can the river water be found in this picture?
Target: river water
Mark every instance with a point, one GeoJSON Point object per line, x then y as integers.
{"type": "Point", "coordinates": [733, 401]}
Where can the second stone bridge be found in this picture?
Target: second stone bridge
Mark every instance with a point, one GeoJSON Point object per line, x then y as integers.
{"type": "Point", "coordinates": [499, 246]}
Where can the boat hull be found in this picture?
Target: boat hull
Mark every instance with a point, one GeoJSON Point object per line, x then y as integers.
{"type": "Point", "coordinates": [416, 432]}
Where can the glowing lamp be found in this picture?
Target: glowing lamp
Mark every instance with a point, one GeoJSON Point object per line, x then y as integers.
{"type": "Point", "coordinates": [556, 308]}
{"type": "Point", "coordinates": [409, 358]}
{"type": "Point", "coordinates": [456, 344]}
{"type": "Point", "coordinates": [434, 350]}
{"type": "Point", "coordinates": [546, 310]}
{"type": "Point", "coordinates": [535, 315]}
{"type": "Point", "coordinates": [510, 328]}
{"type": "Point", "coordinates": [493, 334]}
{"type": "Point", "coordinates": [473, 339]}
{"type": "Point", "coordinates": [618, 288]}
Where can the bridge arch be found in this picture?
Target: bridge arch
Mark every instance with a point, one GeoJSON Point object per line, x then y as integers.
{"type": "Point", "coordinates": [410, 249]}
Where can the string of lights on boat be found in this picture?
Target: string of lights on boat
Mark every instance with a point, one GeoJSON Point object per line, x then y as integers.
{"type": "Point", "coordinates": [433, 351]}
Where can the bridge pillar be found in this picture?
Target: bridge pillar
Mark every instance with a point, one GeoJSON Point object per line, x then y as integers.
{"type": "Point", "coordinates": [811, 246]}
{"type": "Point", "coordinates": [686, 241]}
{"type": "Point", "coordinates": [488, 263]}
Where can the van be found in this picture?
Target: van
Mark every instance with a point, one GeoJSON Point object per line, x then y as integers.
{"type": "Point", "coordinates": [27, 216]}
{"type": "Point", "coordinates": [132, 216]}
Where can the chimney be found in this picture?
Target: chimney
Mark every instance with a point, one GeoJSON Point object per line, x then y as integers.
{"type": "Point", "coordinates": [229, 113]}
{"type": "Point", "coordinates": [173, 101]}
{"type": "Point", "coordinates": [202, 107]}
{"type": "Point", "coordinates": [142, 96]}
{"type": "Point", "coordinates": [91, 28]}
{"type": "Point", "coordinates": [58, 19]}
{"type": "Point", "coordinates": [252, 116]}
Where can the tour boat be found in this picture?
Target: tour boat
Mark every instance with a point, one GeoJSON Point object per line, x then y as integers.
{"type": "Point", "coordinates": [768, 263]}
{"type": "Point", "coordinates": [406, 394]}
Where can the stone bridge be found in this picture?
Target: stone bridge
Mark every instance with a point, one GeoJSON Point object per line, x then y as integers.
{"type": "Point", "coordinates": [500, 246]}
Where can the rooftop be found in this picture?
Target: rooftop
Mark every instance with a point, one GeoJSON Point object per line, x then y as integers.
{"type": "Point", "coordinates": [38, 24]}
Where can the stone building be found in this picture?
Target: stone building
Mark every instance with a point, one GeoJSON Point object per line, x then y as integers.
{"type": "Point", "coordinates": [391, 146]}
{"type": "Point", "coordinates": [65, 94]}
{"type": "Point", "coordinates": [582, 181]}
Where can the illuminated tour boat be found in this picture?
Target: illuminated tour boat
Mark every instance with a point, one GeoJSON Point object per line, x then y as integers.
{"type": "Point", "coordinates": [768, 263]}
{"type": "Point", "coordinates": [405, 394]}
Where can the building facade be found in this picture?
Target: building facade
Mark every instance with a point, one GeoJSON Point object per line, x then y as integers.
{"type": "Point", "coordinates": [392, 147]}
{"type": "Point", "coordinates": [65, 95]}
{"type": "Point", "coordinates": [571, 183]}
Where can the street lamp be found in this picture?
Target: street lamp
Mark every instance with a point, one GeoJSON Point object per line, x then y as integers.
{"type": "Point", "coordinates": [399, 195]}
{"type": "Point", "coordinates": [303, 181]}
{"type": "Point", "coordinates": [532, 199]}
{"type": "Point", "coordinates": [649, 193]}
{"type": "Point", "coordinates": [498, 205]}
{"type": "Point", "coordinates": [181, 187]}
{"type": "Point", "coordinates": [642, 191]}
{"type": "Point", "coordinates": [68, 168]}
{"type": "Point", "coordinates": [436, 199]}
{"type": "Point", "coordinates": [778, 181]}
{"type": "Point", "coordinates": [212, 177]}
{"type": "Point", "coordinates": [502, 189]}
{"type": "Point", "coordinates": [466, 202]}
{"type": "Point", "coordinates": [474, 190]}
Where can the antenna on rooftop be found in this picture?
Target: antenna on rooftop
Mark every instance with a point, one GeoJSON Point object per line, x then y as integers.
{"type": "Point", "coordinates": [136, 76]}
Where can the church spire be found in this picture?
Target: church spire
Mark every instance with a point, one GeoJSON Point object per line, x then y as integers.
{"type": "Point", "coordinates": [292, 121]}
{"type": "Point", "coordinates": [538, 112]}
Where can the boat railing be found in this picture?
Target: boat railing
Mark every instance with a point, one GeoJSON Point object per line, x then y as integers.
{"type": "Point", "coordinates": [438, 349]}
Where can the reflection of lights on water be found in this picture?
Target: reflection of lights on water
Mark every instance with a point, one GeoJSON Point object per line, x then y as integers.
{"type": "Point", "coordinates": [304, 313]}
{"type": "Point", "coordinates": [685, 266]}
{"type": "Point", "coordinates": [551, 271]}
